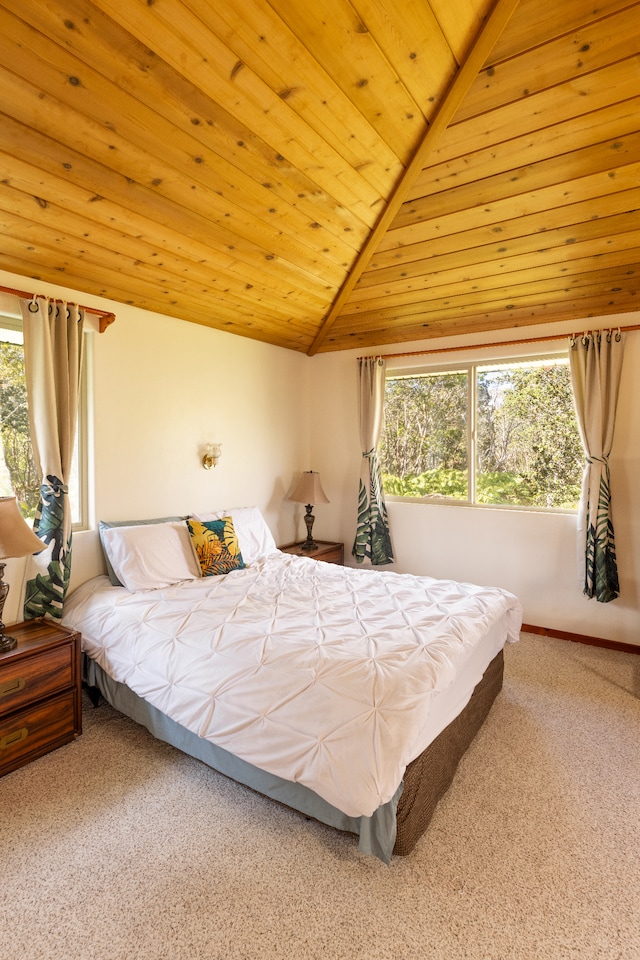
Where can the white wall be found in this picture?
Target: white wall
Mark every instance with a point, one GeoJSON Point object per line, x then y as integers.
{"type": "Point", "coordinates": [532, 554]}
{"type": "Point", "coordinates": [164, 389]}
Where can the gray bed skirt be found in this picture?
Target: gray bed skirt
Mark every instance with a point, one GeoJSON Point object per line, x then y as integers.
{"type": "Point", "coordinates": [394, 828]}
{"type": "Point", "coordinates": [377, 834]}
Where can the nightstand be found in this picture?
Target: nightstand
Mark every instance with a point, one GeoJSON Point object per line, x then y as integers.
{"type": "Point", "coordinates": [40, 692]}
{"type": "Point", "coordinates": [327, 550]}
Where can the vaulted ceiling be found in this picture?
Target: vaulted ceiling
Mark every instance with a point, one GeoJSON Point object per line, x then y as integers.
{"type": "Point", "coordinates": [326, 175]}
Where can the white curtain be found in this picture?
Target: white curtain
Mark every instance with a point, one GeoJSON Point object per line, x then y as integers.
{"type": "Point", "coordinates": [53, 361]}
{"type": "Point", "coordinates": [596, 365]}
{"type": "Point", "coordinates": [373, 537]}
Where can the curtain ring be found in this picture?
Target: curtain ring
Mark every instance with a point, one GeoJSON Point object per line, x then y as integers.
{"type": "Point", "coordinates": [33, 306]}
{"type": "Point", "coordinates": [609, 335]}
{"type": "Point", "coordinates": [618, 335]}
{"type": "Point", "coordinates": [585, 339]}
{"type": "Point", "coordinates": [572, 341]}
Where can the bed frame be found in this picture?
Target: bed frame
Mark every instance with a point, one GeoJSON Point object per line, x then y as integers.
{"type": "Point", "coordinates": [394, 828]}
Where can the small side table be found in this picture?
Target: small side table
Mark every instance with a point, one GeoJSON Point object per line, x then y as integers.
{"type": "Point", "coordinates": [40, 692]}
{"type": "Point", "coordinates": [329, 551]}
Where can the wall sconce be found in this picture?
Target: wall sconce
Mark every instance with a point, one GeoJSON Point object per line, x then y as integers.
{"type": "Point", "coordinates": [213, 452]}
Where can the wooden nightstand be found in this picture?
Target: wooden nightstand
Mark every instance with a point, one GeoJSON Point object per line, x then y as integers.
{"type": "Point", "coordinates": [327, 550]}
{"type": "Point", "coordinates": [40, 692]}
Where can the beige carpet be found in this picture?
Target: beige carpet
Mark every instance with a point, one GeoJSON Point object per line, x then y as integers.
{"type": "Point", "coordinates": [117, 847]}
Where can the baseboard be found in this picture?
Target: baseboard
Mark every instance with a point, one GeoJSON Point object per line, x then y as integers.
{"type": "Point", "coordinates": [581, 638]}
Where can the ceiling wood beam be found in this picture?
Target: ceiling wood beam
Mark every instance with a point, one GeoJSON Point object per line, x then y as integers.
{"type": "Point", "coordinates": [460, 85]}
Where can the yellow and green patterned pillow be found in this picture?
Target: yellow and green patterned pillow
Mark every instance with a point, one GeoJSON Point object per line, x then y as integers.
{"type": "Point", "coordinates": [216, 546]}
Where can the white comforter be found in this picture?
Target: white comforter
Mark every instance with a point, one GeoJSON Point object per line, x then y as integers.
{"type": "Point", "coordinates": [317, 673]}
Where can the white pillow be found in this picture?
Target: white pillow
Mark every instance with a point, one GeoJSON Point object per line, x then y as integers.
{"type": "Point", "coordinates": [149, 556]}
{"type": "Point", "coordinates": [254, 537]}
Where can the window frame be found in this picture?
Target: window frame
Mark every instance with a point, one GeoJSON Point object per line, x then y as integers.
{"type": "Point", "coordinates": [469, 364]}
{"type": "Point", "coordinates": [83, 435]}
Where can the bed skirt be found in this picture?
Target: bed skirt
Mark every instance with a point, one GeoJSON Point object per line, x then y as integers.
{"type": "Point", "coordinates": [394, 828]}
{"type": "Point", "coordinates": [429, 776]}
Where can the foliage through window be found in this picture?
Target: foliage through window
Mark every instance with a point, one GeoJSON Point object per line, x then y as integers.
{"type": "Point", "coordinates": [501, 433]}
{"type": "Point", "coordinates": [18, 475]}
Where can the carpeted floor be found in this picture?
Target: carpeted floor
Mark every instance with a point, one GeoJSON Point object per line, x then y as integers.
{"type": "Point", "coordinates": [118, 847]}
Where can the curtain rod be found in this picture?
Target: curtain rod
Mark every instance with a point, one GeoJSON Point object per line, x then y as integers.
{"type": "Point", "coordinates": [106, 318]}
{"type": "Point", "coordinates": [487, 346]}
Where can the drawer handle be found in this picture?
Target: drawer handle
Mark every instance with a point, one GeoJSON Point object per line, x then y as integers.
{"type": "Point", "coordinates": [10, 738]}
{"type": "Point", "coordinates": [11, 686]}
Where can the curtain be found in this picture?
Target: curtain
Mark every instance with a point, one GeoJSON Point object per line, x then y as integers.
{"type": "Point", "coordinates": [373, 538]}
{"type": "Point", "coordinates": [596, 364]}
{"type": "Point", "coordinates": [53, 361]}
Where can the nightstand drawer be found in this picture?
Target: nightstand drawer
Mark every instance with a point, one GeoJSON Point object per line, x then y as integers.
{"type": "Point", "coordinates": [27, 680]}
{"type": "Point", "coordinates": [36, 730]}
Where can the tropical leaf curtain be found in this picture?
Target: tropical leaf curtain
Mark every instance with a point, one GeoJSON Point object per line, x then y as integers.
{"type": "Point", "coordinates": [373, 537]}
{"type": "Point", "coordinates": [53, 360]}
{"type": "Point", "coordinates": [596, 364]}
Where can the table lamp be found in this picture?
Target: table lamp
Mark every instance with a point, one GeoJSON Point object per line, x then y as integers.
{"type": "Point", "coordinates": [17, 539]}
{"type": "Point", "coordinates": [309, 491]}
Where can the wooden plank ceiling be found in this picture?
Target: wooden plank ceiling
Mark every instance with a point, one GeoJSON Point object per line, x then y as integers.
{"type": "Point", "coordinates": [329, 175]}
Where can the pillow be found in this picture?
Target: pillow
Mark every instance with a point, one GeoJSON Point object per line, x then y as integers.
{"type": "Point", "coordinates": [254, 537]}
{"type": "Point", "coordinates": [215, 545]}
{"type": "Point", "coordinates": [107, 524]}
{"type": "Point", "coordinates": [149, 556]}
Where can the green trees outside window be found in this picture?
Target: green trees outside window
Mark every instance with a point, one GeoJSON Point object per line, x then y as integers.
{"type": "Point", "coordinates": [500, 433]}
{"type": "Point", "coordinates": [18, 474]}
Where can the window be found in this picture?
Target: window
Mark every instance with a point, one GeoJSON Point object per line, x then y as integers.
{"type": "Point", "coordinates": [500, 433]}
{"type": "Point", "coordinates": [18, 474]}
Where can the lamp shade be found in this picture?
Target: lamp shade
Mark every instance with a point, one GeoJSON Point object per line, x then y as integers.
{"type": "Point", "coordinates": [17, 539]}
{"type": "Point", "coordinates": [309, 489]}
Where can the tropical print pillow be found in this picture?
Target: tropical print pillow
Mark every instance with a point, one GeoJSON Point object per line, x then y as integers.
{"type": "Point", "coordinates": [216, 546]}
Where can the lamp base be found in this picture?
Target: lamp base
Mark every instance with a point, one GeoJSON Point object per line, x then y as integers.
{"type": "Point", "coordinates": [7, 643]}
{"type": "Point", "coordinates": [309, 543]}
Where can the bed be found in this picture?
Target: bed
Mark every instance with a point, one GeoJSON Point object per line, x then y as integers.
{"type": "Point", "coordinates": [347, 694]}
